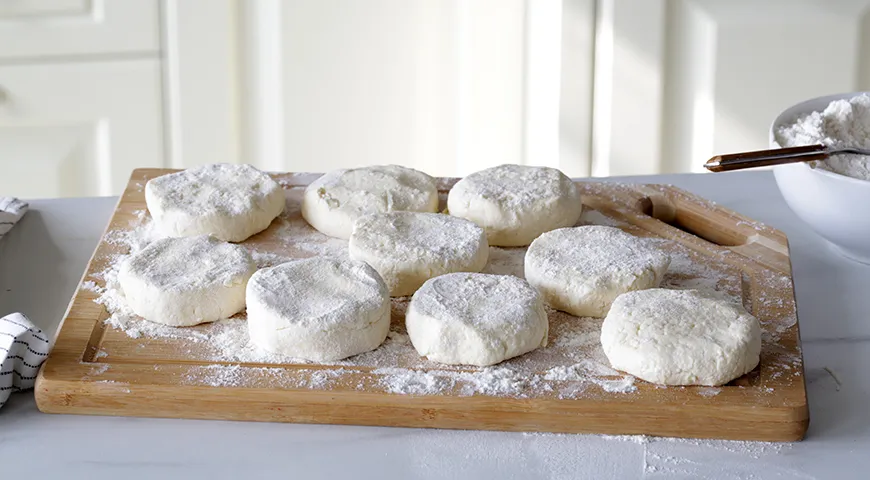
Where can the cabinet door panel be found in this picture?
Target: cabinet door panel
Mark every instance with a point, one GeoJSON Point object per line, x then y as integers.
{"type": "Point", "coordinates": [53, 28]}
{"type": "Point", "coordinates": [449, 87]}
{"type": "Point", "coordinates": [78, 129]}
{"type": "Point", "coordinates": [678, 81]}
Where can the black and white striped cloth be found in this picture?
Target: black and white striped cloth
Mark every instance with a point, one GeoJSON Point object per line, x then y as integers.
{"type": "Point", "coordinates": [11, 210]}
{"type": "Point", "coordinates": [23, 348]}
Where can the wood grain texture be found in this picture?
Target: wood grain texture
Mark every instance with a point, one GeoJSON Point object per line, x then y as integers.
{"type": "Point", "coordinates": [153, 377]}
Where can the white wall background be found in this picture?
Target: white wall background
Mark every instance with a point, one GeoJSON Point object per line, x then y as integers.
{"type": "Point", "coordinates": [90, 89]}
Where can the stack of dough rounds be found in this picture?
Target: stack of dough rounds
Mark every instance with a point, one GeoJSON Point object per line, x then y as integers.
{"type": "Point", "coordinates": [582, 270]}
{"type": "Point", "coordinates": [231, 202]}
{"type": "Point", "coordinates": [680, 337]}
{"type": "Point", "coordinates": [318, 309]}
{"type": "Point", "coordinates": [408, 248]}
{"type": "Point", "coordinates": [515, 204]}
{"type": "Point", "coordinates": [186, 281]}
{"type": "Point", "coordinates": [476, 319]}
{"type": "Point", "coordinates": [333, 202]}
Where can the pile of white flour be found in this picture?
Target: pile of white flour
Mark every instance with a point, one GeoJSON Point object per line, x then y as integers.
{"type": "Point", "coordinates": [843, 123]}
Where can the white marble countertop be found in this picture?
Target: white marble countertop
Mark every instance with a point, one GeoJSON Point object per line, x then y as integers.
{"type": "Point", "coordinates": [42, 260]}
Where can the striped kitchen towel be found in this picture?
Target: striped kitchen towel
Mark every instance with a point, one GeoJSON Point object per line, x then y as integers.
{"type": "Point", "coordinates": [23, 348]}
{"type": "Point", "coordinates": [11, 211]}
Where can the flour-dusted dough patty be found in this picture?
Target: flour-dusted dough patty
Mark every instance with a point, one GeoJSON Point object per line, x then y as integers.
{"type": "Point", "coordinates": [515, 203]}
{"type": "Point", "coordinates": [408, 248]}
{"type": "Point", "coordinates": [186, 281]}
{"type": "Point", "coordinates": [231, 202]}
{"type": "Point", "coordinates": [333, 202]}
{"type": "Point", "coordinates": [476, 319]}
{"type": "Point", "coordinates": [680, 337]}
{"type": "Point", "coordinates": [318, 309]}
{"type": "Point", "coordinates": [581, 270]}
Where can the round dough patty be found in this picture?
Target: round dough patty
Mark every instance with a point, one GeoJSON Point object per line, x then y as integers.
{"type": "Point", "coordinates": [581, 270]}
{"type": "Point", "coordinates": [186, 281]}
{"type": "Point", "coordinates": [408, 248]}
{"type": "Point", "coordinates": [318, 309]}
{"type": "Point", "coordinates": [476, 319]}
{"type": "Point", "coordinates": [333, 202]}
{"type": "Point", "coordinates": [515, 203]}
{"type": "Point", "coordinates": [680, 337]}
{"type": "Point", "coordinates": [231, 202]}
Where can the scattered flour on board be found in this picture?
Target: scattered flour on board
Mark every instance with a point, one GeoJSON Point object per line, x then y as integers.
{"type": "Point", "coordinates": [92, 286]}
{"type": "Point", "coordinates": [572, 365]}
{"type": "Point", "coordinates": [98, 369]}
{"type": "Point", "coordinates": [591, 216]}
{"type": "Point", "coordinates": [709, 391]}
{"type": "Point", "coordinates": [506, 261]}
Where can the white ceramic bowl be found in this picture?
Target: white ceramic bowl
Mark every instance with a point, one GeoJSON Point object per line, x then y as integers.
{"type": "Point", "coordinates": [831, 204]}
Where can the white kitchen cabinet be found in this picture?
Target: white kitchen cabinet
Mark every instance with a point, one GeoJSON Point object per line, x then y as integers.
{"type": "Point", "coordinates": [677, 81]}
{"type": "Point", "coordinates": [47, 29]}
{"type": "Point", "coordinates": [437, 85]}
{"type": "Point", "coordinates": [78, 129]}
{"type": "Point", "coordinates": [449, 87]}
{"type": "Point", "coordinates": [601, 87]}
{"type": "Point", "coordinates": [593, 87]}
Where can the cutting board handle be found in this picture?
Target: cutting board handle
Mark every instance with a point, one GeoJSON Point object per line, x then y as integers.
{"type": "Point", "coordinates": [703, 221]}
{"type": "Point", "coordinates": [708, 221]}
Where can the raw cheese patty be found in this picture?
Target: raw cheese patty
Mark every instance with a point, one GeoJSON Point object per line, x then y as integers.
{"type": "Point", "coordinates": [333, 202]}
{"type": "Point", "coordinates": [408, 248]}
{"type": "Point", "coordinates": [515, 203]}
{"type": "Point", "coordinates": [231, 202]}
{"type": "Point", "coordinates": [476, 319]}
{"type": "Point", "coordinates": [680, 337]}
{"type": "Point", "coordinates": [581, 270]}
{"type": "Point", "coordinates": [318, 309]}
{"type": "Point", "coordinates": [186, 281]}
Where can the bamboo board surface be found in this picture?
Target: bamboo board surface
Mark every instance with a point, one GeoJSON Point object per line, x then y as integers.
{"type": "Point", "coordinates": [98, 369]}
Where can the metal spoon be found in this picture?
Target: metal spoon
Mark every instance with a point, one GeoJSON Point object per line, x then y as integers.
{"type": "Point", "coordinates": [776, 156]}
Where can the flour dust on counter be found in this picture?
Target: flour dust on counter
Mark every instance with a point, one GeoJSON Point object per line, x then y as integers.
{"type": "Point", "coordinates": [669, 456]}
{"type": "Point", "coordinates": [566, 456]}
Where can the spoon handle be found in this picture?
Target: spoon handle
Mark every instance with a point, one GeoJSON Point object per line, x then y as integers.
{"type": "Point", "coordinates": [766, 158]}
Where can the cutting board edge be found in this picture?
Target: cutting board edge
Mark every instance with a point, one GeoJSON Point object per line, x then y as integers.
{"type": "Point", "coordinates": [72, 397]}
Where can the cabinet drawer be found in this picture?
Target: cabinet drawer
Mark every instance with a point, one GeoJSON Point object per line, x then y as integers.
{"type": "Point", "coordinates": [52, 28]}
{"type": "Point", "coordinates": [78, 129]}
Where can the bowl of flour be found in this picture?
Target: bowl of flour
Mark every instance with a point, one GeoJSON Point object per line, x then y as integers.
{"type": "Point", "coordinates": [830, 195]}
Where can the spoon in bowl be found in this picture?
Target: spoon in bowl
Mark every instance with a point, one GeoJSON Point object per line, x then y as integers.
{"type": "Point", "coordinates": [776, 156]}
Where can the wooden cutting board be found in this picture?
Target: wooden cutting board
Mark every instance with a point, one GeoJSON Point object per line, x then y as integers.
{"type": "Point", "coordinates": [98, 369]}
